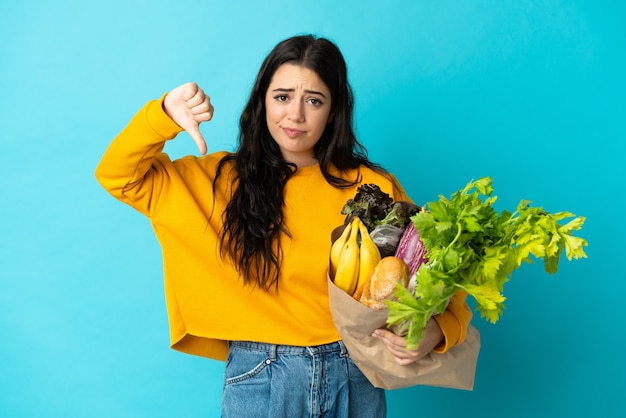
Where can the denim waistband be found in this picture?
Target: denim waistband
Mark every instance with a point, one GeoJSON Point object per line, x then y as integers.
{"type": "Point", "coordinates": [273, 349]}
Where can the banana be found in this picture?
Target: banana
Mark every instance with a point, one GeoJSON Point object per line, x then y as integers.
{"type": "Point", "coordinates": [369, 257]}
{"type": "Point", "coordinates": [336, 250]}
{"type": "Point", "coordinates": [348, 268]}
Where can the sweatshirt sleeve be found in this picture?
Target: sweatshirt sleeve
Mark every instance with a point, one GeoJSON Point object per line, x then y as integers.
{"type": "Point", "coordinates": [129, 169]}
{"type": "Point", "coordinates": [454, 322]}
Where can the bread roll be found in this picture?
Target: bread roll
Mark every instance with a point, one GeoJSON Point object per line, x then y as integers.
{"type": "Point", "coordinates": [382, 283]}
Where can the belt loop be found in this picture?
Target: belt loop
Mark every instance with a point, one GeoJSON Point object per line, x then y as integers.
{"type": "Point", "coordinates": [272, 351]}
{"type": "Point", "coordinates": [344, 350]}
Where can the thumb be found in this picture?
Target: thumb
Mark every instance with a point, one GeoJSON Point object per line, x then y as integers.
{"type": "Point", "coordinates": [197, 137]}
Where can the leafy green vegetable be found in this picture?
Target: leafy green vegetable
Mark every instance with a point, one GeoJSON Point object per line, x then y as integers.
{"type": "Point", "coordinates": [400, 214]}
{"type": "Point", "coordinates": [470, 246]}
{"type": "Point", "coordinates": [370, 204]}
{"type": "Point", "coordinates": [375, 207]}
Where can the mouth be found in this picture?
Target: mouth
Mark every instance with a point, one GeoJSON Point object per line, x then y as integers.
{"type": "Point", "coordinates": [292, 133]}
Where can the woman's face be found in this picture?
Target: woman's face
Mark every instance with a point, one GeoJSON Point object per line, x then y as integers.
{"type": "Point", "coordinates": [297, 108]}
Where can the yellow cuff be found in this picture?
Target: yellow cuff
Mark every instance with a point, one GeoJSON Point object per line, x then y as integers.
{"type": "Point", "coordinates": [451, 329]}
{"type": "Point", "coordinates": [159, 121]}
{"type": "Point", "coordinates": [453, 322]}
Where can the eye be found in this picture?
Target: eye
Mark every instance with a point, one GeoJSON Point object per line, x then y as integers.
{"type": "Point", "coordinates": [315, 102]}
{"type": "Point", "coordinates": [281, 97]}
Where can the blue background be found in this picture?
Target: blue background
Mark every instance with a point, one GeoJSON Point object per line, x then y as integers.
{"type": "Point", "coordinates": [530, 93]}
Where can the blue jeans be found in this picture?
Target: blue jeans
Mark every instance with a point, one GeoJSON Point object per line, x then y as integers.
{"type": "Point", "coordinates": [266, 380]}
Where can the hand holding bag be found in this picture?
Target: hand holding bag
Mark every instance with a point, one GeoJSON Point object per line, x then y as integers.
{"type": "Point", "coordinates": [355, 322]}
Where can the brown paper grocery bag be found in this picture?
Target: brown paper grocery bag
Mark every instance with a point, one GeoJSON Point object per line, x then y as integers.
{"type": "Point", "coordinates": [455, 368]}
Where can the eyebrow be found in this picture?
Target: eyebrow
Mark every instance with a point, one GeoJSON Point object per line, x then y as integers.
{"type": "Point", "coordinates": [306, 91]}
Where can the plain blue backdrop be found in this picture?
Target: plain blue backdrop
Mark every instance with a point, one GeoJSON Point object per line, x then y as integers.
{"type": "Point", "coordinates": [530, 93]}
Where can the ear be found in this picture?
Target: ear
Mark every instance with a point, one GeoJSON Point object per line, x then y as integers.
{"type": "Point", "coordinates": [331, 117]}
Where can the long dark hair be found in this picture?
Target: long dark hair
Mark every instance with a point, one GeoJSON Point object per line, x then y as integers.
{"type": "Point", "coordinates": [253, 220]}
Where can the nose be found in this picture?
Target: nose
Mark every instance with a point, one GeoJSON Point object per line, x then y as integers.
{"type": "Point", "coordinates": [296, 111]}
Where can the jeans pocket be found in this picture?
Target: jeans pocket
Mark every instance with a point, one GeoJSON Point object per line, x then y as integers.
{"type": "Point", "coordinates": [244, 365]}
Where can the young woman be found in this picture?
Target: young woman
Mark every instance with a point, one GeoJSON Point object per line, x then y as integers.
{"type": "Point", "coordinates": [245, 236]}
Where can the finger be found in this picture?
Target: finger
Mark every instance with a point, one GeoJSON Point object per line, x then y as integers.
{"type": "Point", "coordinates": [390, 338]}
{"type": "Point", "coordinates": [203, 112]}
{"type": "Point", "coordinates": [397, 347]}
{"type": "Point", "coordinates": [400, 351]}
{"type": "Point", "coordinates": [404, 362]}
{"type": "Point", "coordinates": [391, 346]}
{"type": "Point", "coordinates": [190, 90]}
{"type": "Point", "coordinates": [203, 117]}
{"type": "Point", "coordinates": [198, 99]}
{"type": "Point", "coordinates": [404, 356]}
{"type": "Point", "coordinates": [197, 137]}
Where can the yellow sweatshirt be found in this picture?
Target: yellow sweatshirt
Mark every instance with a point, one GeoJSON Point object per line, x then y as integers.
{"type": "Point", "coordinates": [207, 302]}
